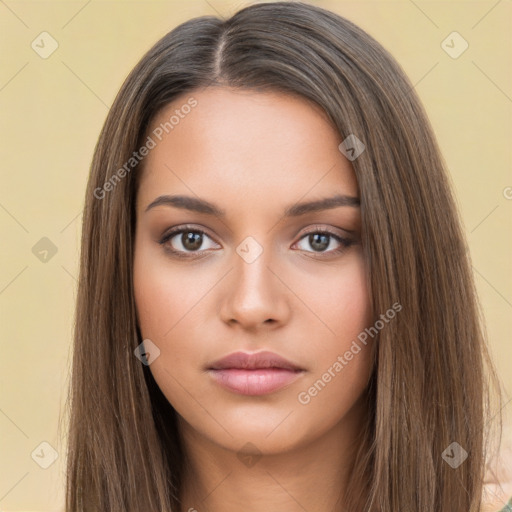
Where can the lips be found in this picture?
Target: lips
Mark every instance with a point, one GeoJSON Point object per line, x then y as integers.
{"type": "Point", "coordinates": [253, 374]}
{"type": "Point", "coordinates": [254, 361]}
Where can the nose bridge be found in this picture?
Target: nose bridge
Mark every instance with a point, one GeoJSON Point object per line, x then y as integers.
{"type": "Point", "coordinates": [254, 294]}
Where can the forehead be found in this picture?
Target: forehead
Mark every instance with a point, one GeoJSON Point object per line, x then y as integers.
{"type": "Point", "coordinates": [235, 143]}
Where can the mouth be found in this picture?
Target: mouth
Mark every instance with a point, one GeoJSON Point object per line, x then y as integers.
{"type": "Point", "coordinates": [254, 374]}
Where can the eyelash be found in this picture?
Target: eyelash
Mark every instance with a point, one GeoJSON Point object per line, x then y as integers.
{"type": "Point", "coordinates": [345, 242]}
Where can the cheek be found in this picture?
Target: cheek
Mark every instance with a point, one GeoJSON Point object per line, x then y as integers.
{"type": "Point", "coordinates": [341, 303]}
{"type": "Point", "coordinates": [165, 294]}
{"type": "Point", "coordinates": [169, 301]}
{"type": "Point", "coordinates": [342, 352]}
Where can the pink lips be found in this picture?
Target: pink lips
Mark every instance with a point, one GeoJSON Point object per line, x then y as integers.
{"type": "Point", "coordinates": [259, 373]}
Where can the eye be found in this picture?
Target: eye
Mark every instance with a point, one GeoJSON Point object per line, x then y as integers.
{"type": "Point", "coordinates": [322, 240]}
{"type": "Point", "coordinates": [188, 242]}
{"type": "Point", "coordinates": [183, 240]}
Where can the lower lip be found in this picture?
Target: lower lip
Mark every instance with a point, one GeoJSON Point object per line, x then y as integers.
{"type": "Point", "coordinates": [254, 382]}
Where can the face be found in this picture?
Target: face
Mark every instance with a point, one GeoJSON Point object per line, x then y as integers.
{"type": "Point", "coordinates": [239, 264]}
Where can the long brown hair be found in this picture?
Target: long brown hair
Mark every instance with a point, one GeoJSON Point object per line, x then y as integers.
{"type": "Point", "coordinates": [430, 382]}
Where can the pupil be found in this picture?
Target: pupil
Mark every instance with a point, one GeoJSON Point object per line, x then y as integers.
{"type": "Point", "coordinates": [191, 240]}
{"type": "Point", "coordinates": [315, 243]}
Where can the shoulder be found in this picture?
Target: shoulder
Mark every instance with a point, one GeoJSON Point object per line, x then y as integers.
{"type": "Point", "coordinates": [508, 507]}
{"type": "Point", "coordinates": [498, 478]}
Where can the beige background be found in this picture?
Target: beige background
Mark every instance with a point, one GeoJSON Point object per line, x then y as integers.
{"type": "Point", "coordinates": [52, 110]}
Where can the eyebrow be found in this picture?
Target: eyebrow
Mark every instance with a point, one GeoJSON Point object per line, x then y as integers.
{"type": "Point", "coordinates": [195, 204]}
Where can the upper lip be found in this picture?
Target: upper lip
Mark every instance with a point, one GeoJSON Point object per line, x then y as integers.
{"type": "Point", "coordinates": [253, 361]}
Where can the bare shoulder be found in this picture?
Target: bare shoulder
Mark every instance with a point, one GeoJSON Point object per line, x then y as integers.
{"type": "Point", "coordinates": [497, 495]}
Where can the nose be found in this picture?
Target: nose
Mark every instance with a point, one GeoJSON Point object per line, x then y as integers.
{"type": "Point", "coordinates": [254, 295]}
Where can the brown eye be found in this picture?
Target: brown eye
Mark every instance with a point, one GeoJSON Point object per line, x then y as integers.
{"type": "Point", "coordinates": [321, 240]}
{"type": "Point", "coordinates": [186, 241]}
{"type": "Point", "coordinates": [191, 240]}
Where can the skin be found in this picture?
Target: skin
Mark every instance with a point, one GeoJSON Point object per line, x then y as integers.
{"type": "Point", "coordinates": [253, 154]}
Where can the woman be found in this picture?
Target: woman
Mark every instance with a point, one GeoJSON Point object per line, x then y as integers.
{"type": "Point", "coordinates": [274, 273]}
